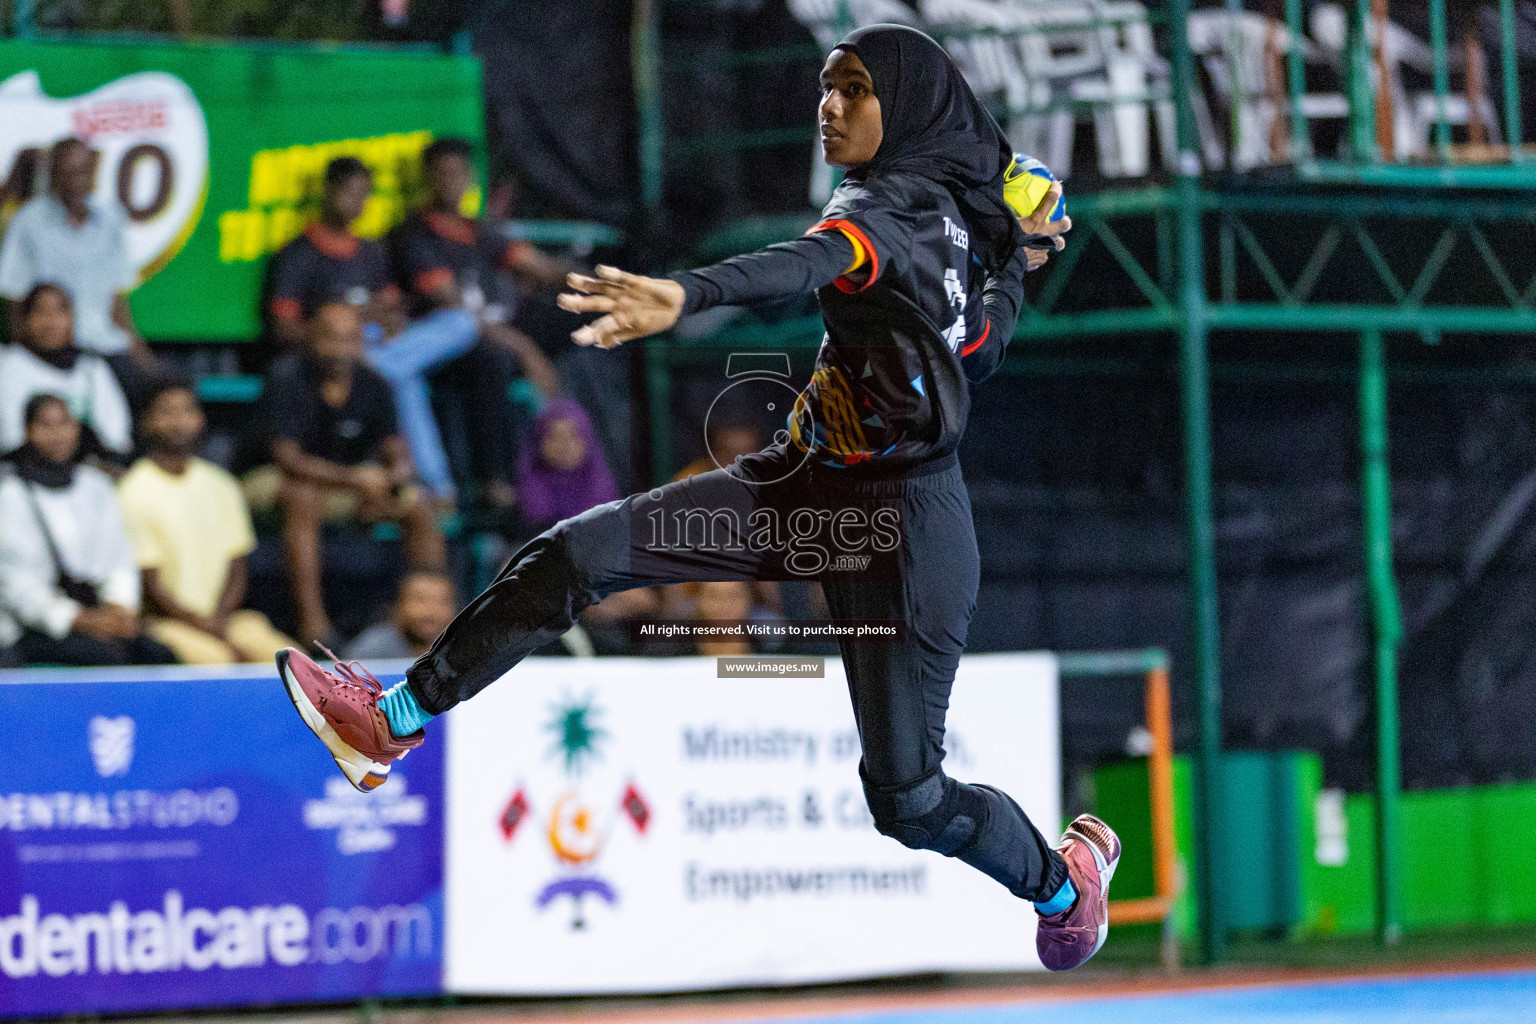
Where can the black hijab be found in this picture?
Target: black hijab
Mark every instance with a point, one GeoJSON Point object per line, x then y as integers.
{"type": "Point", "coordinates": [34, 467]}
{"type": "Point", "coordinates": [935, 127]}
{"type": "Point", "coordinates": [63, 358]}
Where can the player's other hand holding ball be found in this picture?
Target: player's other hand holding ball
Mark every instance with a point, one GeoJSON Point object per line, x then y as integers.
{"type": "Point", "coordinates": [635, 306]}
{"type": "Point", "coordinates": [1034, 194]}
{"type": "Point", "coordinates": [1038, 223]}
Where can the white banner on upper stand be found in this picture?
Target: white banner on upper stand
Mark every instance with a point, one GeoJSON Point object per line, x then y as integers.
{"type": "Point", "coordinates": [630, 825]}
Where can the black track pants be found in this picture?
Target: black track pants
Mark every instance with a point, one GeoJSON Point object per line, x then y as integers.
{"type": "Point", "coordinates": [767, 518]}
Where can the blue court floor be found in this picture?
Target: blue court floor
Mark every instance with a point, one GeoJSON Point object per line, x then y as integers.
{"type": "Point", "coordinates": [1494, 998]}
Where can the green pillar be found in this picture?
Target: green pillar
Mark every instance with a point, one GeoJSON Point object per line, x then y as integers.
{"type": "Point", "coordinates": [645, 55]}
{"type": "Point", "coordinates": [1386, 628]}
{"type": "Point", "coordinates": [1514, 134]}
{"type": "Point", "coordinates": [1360, 66]}
{"type": "Point", "coordinates": [1197, 487]}
{"type": "Point", "coordinates": [1296, 63]}
{"type": "Point", "coordinates": [1442, 75]}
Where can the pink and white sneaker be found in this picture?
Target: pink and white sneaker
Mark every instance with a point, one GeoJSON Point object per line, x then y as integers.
{"type": "Point", "coordinates": [342, 709]}
{"type": "Point", "coordinates": [1068, 939]}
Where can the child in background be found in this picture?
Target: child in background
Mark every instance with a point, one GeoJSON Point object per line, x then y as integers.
{"type": "Point", "coordinates": [426, 603]}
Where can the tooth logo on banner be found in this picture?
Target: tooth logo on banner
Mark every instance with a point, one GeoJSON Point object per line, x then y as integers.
{"type": "Point", "coordinates": [576, 832]}
{"type": "Point", "coordinates": [112, 745]}
{"type": "Point", "coordinates": [151, 141]}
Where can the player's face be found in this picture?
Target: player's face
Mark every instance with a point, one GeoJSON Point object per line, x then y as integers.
{"type": "Point", "coordinates": [449, 179]}
{"type": "Point", "coordinates": [50, 324]}
{"type": "Point", "coordinates": [850, 111]}
{"type": "Point", "coordinates": [54, 433]}
{"type": "Point", "coordinates": [350, 196]}
{"type": "Point", "coordinates": [174, 420]}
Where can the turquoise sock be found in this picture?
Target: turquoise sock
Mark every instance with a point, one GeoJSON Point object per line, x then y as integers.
{"type": "Point", "coordinates": [1063, 900]}
{"type": "Point", "coordinates": [404, 713]}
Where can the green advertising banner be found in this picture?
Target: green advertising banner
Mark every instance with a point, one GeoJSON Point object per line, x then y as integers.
{"type": "Point", "coordinates": [215, 152]}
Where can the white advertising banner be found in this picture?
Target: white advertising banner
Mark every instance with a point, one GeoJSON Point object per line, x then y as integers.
{"type": "Point", "coordinates": [627, 825]}
{"type": "Point", "coordinates": [152, 137]}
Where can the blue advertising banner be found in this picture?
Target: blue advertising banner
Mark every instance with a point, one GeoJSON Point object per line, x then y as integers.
{"type": "Point", "coordinates": [170, 840]}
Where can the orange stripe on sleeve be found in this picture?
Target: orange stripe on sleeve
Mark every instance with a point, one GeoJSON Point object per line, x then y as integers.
{"type": "Point", "coordinates": [973, 346]}
{"type": "Point", "coordinates": [861, 245]}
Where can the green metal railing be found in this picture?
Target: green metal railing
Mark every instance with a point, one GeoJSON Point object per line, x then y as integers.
{"type": "Point", "coordinates": [1369, 165]}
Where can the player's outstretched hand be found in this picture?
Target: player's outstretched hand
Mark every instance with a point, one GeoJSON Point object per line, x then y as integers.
{"type": "Point", "coordinates": [633, 306]}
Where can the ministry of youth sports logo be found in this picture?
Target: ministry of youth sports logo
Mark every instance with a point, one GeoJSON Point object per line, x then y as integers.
{"type": "Point", "coordinates": [577, 826]}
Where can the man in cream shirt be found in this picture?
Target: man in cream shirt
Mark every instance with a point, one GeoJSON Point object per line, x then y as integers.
{"type": "Point", "coordinates": [191, 531]}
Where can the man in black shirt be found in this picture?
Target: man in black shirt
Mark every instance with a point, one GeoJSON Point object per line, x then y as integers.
{"type": "Point", "coordinates": [327, 260]}
{"type": "Point", "coordinates": [452, 265]}
{"type": "Point", "coordinates": [446, 259]}
{"type": "Point", "coordinates": [337, 448]}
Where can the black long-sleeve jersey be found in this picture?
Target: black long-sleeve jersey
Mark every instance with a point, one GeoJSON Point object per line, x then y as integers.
{"type": "Point", "coordinates": [904, 331]}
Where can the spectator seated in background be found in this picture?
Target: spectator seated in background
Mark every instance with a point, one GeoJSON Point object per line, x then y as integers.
{"type": "Point", "coordinates": [328, 261]}
{"type": "Point", "coordinates": [191, 531]}
{"type": "Point", "coordinates": [561, 472]}
{"type": "Point", "coordinates": [451, 262]}
{"type": "Point", "coordinates": [426, 603]}
{"type": "Point", "coordinates": [69, 586]}
{"type": "Point", "coordinates": [338, 457]}
{"type": "Point", "coordinates": [46, 361]}
{"type": "Point", "coordinates": [726, 441]}
{"type": "Point", "coordinates": [446, 258]}
{"type": "Point", "coordinates": [66, 238]}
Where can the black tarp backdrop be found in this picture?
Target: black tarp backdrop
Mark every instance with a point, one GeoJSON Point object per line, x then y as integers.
{"type": "Point", "coordinates": [561, 115]}
{"type": "Point", "coordinates": [711, 98]}
{"type": "Point", "coordinates": [560, 105]}
{"type": "Point", "coordinates": [1081, 527]}
{"type": "Point", "coordinates": [561, 111]}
